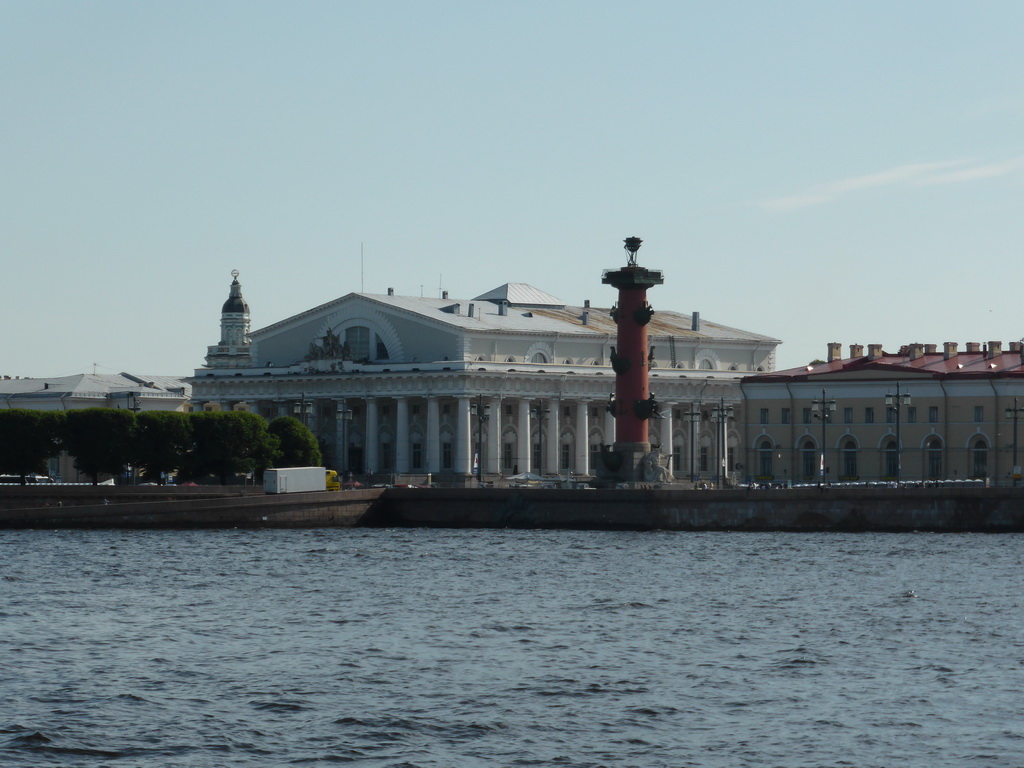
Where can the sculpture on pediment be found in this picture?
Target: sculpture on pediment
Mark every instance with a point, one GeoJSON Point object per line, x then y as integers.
{"type": "Point", "coordinates": [329, 348]}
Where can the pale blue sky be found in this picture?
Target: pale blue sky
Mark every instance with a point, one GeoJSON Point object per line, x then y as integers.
{"type": "Point", "coordinates": [814, 171]}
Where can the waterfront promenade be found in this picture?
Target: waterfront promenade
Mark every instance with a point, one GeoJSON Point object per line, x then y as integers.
{"type": "Point", "coordinates": [807, 509]}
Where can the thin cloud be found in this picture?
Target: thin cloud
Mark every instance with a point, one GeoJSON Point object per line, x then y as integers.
{"type": "Point", "coordinates": [918, 175]}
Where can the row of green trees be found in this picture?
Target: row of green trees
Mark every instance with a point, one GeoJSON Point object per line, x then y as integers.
{"type": "Point", "coordinates": [105, 441]}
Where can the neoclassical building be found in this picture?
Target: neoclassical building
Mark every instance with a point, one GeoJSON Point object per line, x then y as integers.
{"type": "Point", "coordinates": [514, 380]}
{"type": "Point", "coordinates": [919, 414]}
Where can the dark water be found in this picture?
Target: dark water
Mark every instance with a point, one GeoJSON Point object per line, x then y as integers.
{"type": "Point", "coordinates": [510, 648]}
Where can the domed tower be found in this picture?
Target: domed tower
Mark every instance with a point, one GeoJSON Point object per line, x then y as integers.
{"type": "Point", "coordinates": [234, 350]}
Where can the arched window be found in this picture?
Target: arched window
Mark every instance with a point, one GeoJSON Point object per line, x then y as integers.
{"type": "Point", "coordinates": [849, 451]}
{"type": "Point", "coordinates": [764, 454]}
{"type": "Point", "coordinates": [357, 343]}
{"type": "Point", "coordinates": [539, 357]}
{"type": "Point", "coordinates": [979, 458]}
{"type": "Point", "coordinates": [933, 451]}
{"type": "Point", "coordinates": [892, 460]}
{"type": "Point", "coordinates": [809, 459]}
{"type": "Point", "coordinates": [705, 365]}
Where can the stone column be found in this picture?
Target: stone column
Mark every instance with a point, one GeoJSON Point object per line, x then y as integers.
{"type": "Point", "coordinates": [463, 449]}
{"type": "Point", "coordinates": [493, 452]}
{"type": "Point", "coordinates": [433, 437]}
{"type": "Point", "coordinates": [582, 438]}
{"type": "Point", "coordinates": [402, 435]}
{"type": "Point", "coordinates": [665, 427]}
{"type": "Point", "coordinates": [371, 449]}
{"type": "Point", "coordinates": [551, 440]}
{"type": "Point", "coordinates": [524, 447]}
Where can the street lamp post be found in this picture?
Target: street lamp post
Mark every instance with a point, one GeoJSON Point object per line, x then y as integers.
{"type": "Point", "coordinates": [693, 419]}
{"type": "Point", "coordinates": [302, 409]}
{"type": "Point", "coordinates": [896, 403]}
{"type": "Point", "coordinates": [482, 415]}
{"type": "Point", "coordinates": [823, 409]}
{"type": "Point", "coordinates": [1013, 413]}
{"type": "Point", "coordinates": [722, 413]}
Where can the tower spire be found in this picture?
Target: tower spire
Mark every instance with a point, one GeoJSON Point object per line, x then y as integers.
{"type": "Point", "coordinates": [233, 351]}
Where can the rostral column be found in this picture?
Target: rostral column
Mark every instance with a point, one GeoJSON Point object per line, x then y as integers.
{"type": "Point", "coordinates": [633, 404]}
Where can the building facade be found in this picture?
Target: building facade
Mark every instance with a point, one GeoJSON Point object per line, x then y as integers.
{"type": "Point", "coordinates": [510, 382]}
{"type": "Point", "coordinates": [920, 414]}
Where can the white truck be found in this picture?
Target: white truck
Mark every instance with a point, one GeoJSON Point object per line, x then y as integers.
{"type": "Point", "coordinates": [295, 480]}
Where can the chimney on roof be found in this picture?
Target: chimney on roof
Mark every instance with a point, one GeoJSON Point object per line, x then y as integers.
{"type": "Point", "coordinates": [874, 351]}
{"type": "Point", "coordinates": [586, 303]}
{"type": "Point", "coordinates": [856, 350]}
{"type": "Point", "coordinates": [949, 349]}
{"type": "Point", "coordinates": [995, 348]}
{"type": "Point", "coordinates": [586, 317]}
{"type": "Point", "coordinates": [391, 291]}
{"type": "Point", "coordinates": [695, 321]}
{"type": "Point", "coordinates": [835, 351]}
{"type": "Point", "coordinates": [444, 294]}
{"type": "Point", "coordinates": [1014, 346]}
{"type": "Point", "coordinates": [472, 309]}
{"type": "Point", "coordinates": [931, 349]}
{"type": "Point", "coordinates": [916, 351]}
{"type": "Point", "coordinates": [503, 307]}
{"type": "Point", "coordinates": [973, 346]}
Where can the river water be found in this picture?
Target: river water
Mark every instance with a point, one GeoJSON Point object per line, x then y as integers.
{"type": "Point", "coordinates": [416, 648]}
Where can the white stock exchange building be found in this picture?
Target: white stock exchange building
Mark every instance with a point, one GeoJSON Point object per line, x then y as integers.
{"type": "Point", "coordinates": [400, 388]}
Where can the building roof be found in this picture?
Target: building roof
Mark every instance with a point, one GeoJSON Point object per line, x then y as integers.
{"type": "Point", "coordinates": [534, 311]}
{"type": "Point", "coordinates": [92, 385]}
{"type": "Point", "coordinates": [521, 295]}
{"type": "Point", "coordinates": [914, 360]}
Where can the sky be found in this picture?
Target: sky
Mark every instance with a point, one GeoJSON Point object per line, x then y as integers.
{"type": "Point", "coordinates": [811, 171]}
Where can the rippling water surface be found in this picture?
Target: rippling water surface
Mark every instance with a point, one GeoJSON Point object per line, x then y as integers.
{"type": "Point", "coordinates": [420, 648]}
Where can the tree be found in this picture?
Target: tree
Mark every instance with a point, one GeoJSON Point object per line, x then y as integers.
{"type": "Point", "coordinates": [100, 439]}
{"type": "Point", "coordinates": [298, 444]}
{"type": "Point", "coordinates": [162, 442]}
{"type": "Point", "coordinates": [27, 439]}
{"type": "Point", "coordinates": [227, 443]}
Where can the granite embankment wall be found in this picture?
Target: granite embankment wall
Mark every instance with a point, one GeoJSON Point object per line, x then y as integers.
{"type": "Point", "coordinates": [868, 509]}
{"type": "Point", "coordinates": [201, 507]}
{"type": "Point", "coordinates": [992, 510]}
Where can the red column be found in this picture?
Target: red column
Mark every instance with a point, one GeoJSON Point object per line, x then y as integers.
{"type": "Point", "coordinates": [630, 355]}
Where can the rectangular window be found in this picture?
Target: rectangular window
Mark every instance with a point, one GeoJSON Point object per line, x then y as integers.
{"type": "Point", "coordinates": [445, 409]}
{"type": "Point", "coordinates": [933, 414]}
{"type": "Point", "coordinates": [595, 457]}
{"type": "Point", "coordinates": [508, 410]}
{"type": "Point", "coordinates": [979, 413]}
{"type": "Point", "coordinates": [869, 415]}
{"type": "Point", "coordinates": [677, 458]}
{"type": "Point", "coordinates": [385, 410]}
{"type": "Point", "coordinates": [703, 458]}
{"type": "Point", "coordinates": [566, 454]}
{"type": "Point", "coordinates": [447, 460]}
{"type": "Point", "coordinates": [807, 415]}
{"type": "Point", "coordinates": [506, 455]}
{"type": "Point", "coordinates": [417, 455]}
{"type": "Point", "coordinates": [785, 415]}
{"type": "Point", "coordinates": [415, 410]}
{"type": "Point", "coordinates": [764, 415]}
{"type": "Point", "coordinates": [890, 415]}
{"type": "Point", "coordinates": [386, 456]}
{"type": "Point", "coordinates": [911, 414]}
{"type": "Point", "coordinates": [847, 415]}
